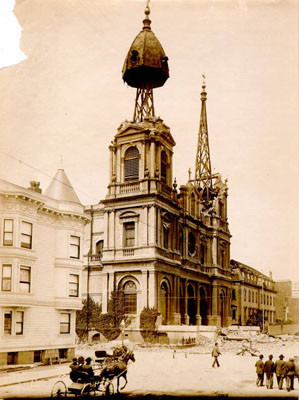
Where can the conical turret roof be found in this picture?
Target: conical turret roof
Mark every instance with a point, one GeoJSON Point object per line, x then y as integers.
{"type": "Point", "coordinates": [60, 188]}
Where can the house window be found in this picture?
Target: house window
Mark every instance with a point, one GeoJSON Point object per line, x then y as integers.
{"type": "Point", "coordinates": [75, 247]}
{"type": "Point", "coordinates": [25, 275]}
{"type": "Point", "coordinates": [37, 356]}
{"type": "Point", "coordinates": [8, 323]}
{"type": "Point", "coordinates": [130, 297]}
{"type": "Point", "coordinates": [222, 258]}
{"type": "Point", "coordinates": [8, 232]}
{"type": "Point", "coordinates": [129, 234]}
{"type": "Point", "coordinates": [164, 167]}
{"type": "Point", "coordinates": [244, 294]}
{"type": "Point", "coordinates": [26, 235]}
{"type": "Point", "coordinates": [74, 285]}
{"type": "Point", "coordinates": [19, 322]}
{"type": "Point", "coordinates": [249, 295]}
{"type": "Point", "coordinates": [6, 278]}
{"type": "Point", "coordinates": [65, 323]}
{"type": "Point", "coordinates": [131, 164]}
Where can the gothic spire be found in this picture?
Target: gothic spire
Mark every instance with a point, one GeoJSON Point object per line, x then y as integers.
{"type": "Point", "coordinates": [203, 172]}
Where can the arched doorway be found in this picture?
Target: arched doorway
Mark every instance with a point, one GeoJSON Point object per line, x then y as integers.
{"type": "Point", "coordinates": [222, 305]}
{"type": "Point", "coordinates": [191, 305]}
{"type": "Point", "coordinates": [164, 302]}
{"type": "Point", "coordinates": [203, 307]}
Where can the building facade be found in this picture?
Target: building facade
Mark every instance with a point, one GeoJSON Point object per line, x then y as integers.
{"type": "Point", "coordinates": [252, 291]}
{"type": "Point", "coordinates": [41, 268]}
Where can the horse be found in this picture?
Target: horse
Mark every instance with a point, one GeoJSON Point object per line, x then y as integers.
{"type": "Point", "coordinates": [118, 369]}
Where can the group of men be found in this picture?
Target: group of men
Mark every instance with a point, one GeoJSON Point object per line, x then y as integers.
{"type": "Point", "coordinates": [82, 369]}
{"type": "Point", "coordinates": [283, 370]}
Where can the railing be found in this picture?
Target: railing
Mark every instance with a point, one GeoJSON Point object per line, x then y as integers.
{"type": "Point", "coordinates": [129, 187]}
{"type": "Point", "coordinates": [95, 257]}
{"type": "Point", "coordinates": [168, 253]}
{"type": "Point", "coordinates": [128, 252]}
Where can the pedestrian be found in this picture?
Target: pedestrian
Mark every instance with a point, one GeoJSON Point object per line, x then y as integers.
{"type": "Point", "coordinates": [279, 366]}
{"type": "Point", "coordinates": [269, 369]}
{"type": "Point", "coordinates": [260, 371]}
{"type": "Point", "coordinates": [290, 374]}
{"type": "Point", "coordinates": [216, 353]}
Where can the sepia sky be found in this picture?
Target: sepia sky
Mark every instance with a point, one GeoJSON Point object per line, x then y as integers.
{"type": "Point", "coordinates": [67, 98]}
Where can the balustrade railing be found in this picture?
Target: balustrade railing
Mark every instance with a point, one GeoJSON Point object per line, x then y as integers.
{"type": "Point", "coordinates": [129, 187]}
{"type": "Point", "coordinates": [128, 252]}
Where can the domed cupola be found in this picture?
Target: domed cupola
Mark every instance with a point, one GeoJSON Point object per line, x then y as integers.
{"type": "Point", "coordinates": [145, 68]}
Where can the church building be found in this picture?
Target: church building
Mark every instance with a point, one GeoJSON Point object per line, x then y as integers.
{"type": "Point", "coordinates": [164, 246]}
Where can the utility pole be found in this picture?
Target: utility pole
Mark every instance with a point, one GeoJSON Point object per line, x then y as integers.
{"type": "Point", "coordinates": [88, 270]}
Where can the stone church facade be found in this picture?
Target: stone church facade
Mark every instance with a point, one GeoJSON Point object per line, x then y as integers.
{"type": "Point", "coordinates": [161, 245]}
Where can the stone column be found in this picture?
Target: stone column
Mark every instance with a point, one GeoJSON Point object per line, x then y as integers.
{"type": "Point", "coordinates": [198, 316]}
{"type": "Point", "coordinates": [119, 166]}
{"type": "Point", "coordinates": [214, 319]}
{"type": "Point", "coordinates": [111, 164]}
{"type": "Point", "coordinates": [112, 229]}
{"type": "Point", "coordinates": [152, 289]}
{"type": "Point", "coordinates": [152, 158]}
{"type": "Point", "coordinates": [186, 315]}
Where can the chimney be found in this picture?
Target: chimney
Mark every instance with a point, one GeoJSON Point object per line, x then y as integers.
{"type": "Point", "coordinates": [34, 185]}
{"type": "Point", "coordinates": [270, 274]}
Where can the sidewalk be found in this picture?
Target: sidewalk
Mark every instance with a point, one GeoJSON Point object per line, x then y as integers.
{"type": "Point", "coordinates": [33, 374]}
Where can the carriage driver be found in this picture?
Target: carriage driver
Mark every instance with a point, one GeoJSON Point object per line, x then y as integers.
{"type": "Point", "coordinates": [87, 367]}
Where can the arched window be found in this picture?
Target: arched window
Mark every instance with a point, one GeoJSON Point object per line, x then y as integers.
{"type": "Point", "coordinates": [132, 164]}
{"type": "Point", "coordinates": [191, 244]}
{"type": "Point", "coordinates": [99, 247]}
{"type": "Point", "coordinates": [130, 297]}
{"type": "Point", "coordinates": [164, 166]}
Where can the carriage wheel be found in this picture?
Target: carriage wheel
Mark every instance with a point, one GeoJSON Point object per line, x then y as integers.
{"type": "Point", "coordinates": [86, 390]}
{"type": "Point", "coordinates": [109, 391]}
{"type": "Point", "coordinates": [59, 390]}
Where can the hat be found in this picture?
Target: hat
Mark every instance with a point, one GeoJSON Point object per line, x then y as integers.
{"type": "Point", "coordinates": [270, 356]}
{"type": "Point", "coordinates": [291, 359]}
{"type": "Point", "coordinates": [281, 356]}
{"type": "Point", "coordinates": [261, 356]}
{"type": "Point", "coordinates": [88, 359]}
{"type": "Point", "coordinates": [75, 359]}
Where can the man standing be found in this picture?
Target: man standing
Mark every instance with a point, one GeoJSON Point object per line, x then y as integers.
{"type": "Point", "coordinates": [215, 354]}
{"type": "Point", "coordinates": [290, 373]}
{"type": "Point", "coordinates": [260, 371]}
{"type": "Point", "coordinates": [279, 370]}
{"type": "Point", "coordinates": [269, 369]}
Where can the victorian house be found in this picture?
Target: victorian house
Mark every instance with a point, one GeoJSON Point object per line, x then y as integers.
{"type": "Point", "coordinates": [41, 265]}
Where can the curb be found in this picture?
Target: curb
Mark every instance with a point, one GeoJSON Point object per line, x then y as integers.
{"type": "Point", "coordinates": [33, 380]}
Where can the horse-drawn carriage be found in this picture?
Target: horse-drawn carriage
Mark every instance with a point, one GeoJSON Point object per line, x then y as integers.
{"type": "Point", "coordinates": [107, 370]}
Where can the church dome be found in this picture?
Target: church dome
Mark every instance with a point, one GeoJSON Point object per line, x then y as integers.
{"type": "Point", "coordinates": [146, 65]}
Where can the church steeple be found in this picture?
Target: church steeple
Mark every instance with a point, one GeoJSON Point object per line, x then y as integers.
{"type": "Point", "coordinates": [203, 172]}
{"type": "Point", "coordinates": [145, 68]}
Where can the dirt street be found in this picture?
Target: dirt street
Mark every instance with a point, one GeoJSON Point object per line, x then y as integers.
{"type": "Point", "coordinates": [190, 373]}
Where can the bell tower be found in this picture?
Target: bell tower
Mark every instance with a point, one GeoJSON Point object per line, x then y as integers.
{"type": "Point", "coordinates": [141, 152]}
